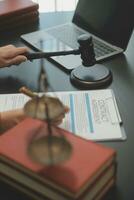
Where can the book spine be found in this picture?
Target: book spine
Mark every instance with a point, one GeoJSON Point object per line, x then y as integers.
{"type": "Point", "coordinates": [20, 188]}
{"type": "Point", "coordinates": [99, 188]}
{"type": "Point", "coordinates": [107, 187]}
{"type": "Point", "coordinates": [40, 195]}
{"type": "Point", "coordinates": [18, 19]}
{"type": "Point", "coordinates": [20, 22]}
{"type": "Point", "coordinates": [16, 13]}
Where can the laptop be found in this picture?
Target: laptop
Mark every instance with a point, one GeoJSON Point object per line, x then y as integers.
{"type": "Point", "coordinates": [109, 22]}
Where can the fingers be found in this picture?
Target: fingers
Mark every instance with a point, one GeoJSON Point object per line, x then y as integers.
{"type": "Point", "coordinates": [16, 56]}
{"type": "Point", "coordinates": [11, 55]}
{"type": "Point", "coordinates": [56, 123]}
{"type": "Point", "coordinates": [20, 50]}
{"type": "Point", "coordinates": [10, 51]}
{"type": "Point", "coordinates": [59, 119]}
{"type": "Point", "coordinates": [11, 118]}
{"type": "Point", "coordinates": [66, 109]}
{"type": "Point", "coordinates": [16, 60]}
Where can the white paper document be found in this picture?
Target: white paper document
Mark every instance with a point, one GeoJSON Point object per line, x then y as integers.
{"type": "Point", "coordinates": [93, 114]}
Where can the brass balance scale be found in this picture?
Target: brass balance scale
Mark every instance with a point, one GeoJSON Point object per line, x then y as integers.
{"type": "Point", "coordinates": [51, 148]}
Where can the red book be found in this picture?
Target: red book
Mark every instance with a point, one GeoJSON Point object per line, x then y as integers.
{"type": "Point", "coordinates": [20, 18]}
{"type": "Point", "coordinates": [91, 164]}
{"type": "Point", "coordinates": [19, 21]}
{"type": "Point", "coordinates": [9, 8]}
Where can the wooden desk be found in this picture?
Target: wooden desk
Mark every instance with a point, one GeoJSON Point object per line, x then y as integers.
{"type": "Point", "coordinates": [123, 85]}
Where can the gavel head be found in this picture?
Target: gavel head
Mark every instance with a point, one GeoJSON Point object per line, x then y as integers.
{"type": "Point", "coordinates": [86, 50]}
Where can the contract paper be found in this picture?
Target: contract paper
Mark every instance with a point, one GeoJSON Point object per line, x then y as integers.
{"type": "Point", "coordinates": [93, 114]}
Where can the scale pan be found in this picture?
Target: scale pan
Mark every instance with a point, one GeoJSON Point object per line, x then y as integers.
{"type": "Point", "coordinates": [50, 150]}
{"type": "Point", "coordinates": [36, 107]}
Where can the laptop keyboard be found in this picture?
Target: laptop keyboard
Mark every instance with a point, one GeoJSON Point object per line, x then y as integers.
{"type": "Point", "coordinates": [68, 34]}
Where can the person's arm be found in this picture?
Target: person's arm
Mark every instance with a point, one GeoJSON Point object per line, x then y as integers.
{"type": "Point", "coordinates": [8, 119]}
{"type": "Point", "coordinates": [11, 55]}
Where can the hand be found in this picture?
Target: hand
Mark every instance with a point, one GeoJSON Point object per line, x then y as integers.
{"type": "Point", "coordinates": [8, 119]}
{"type": "Point", "coordinates": [32, 108]}
{"type": "Point", "coordinates": [11, 55]}
{"type": "Point", "coordinates": [59, 120]}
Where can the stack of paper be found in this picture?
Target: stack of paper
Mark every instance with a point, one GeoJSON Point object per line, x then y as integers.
{"type": "Point", "coordinates": [93, 114]}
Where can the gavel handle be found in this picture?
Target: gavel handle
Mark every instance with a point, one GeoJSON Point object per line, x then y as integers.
{"type": "Point", "coordinates": [38, 55]}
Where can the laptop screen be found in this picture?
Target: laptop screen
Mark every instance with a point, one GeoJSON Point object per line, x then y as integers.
{"type": "Point", "coordinates": [111, 20]}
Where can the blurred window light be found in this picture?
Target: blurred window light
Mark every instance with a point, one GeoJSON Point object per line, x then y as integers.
{"type": "Point", "coordinates": [56, 5]}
